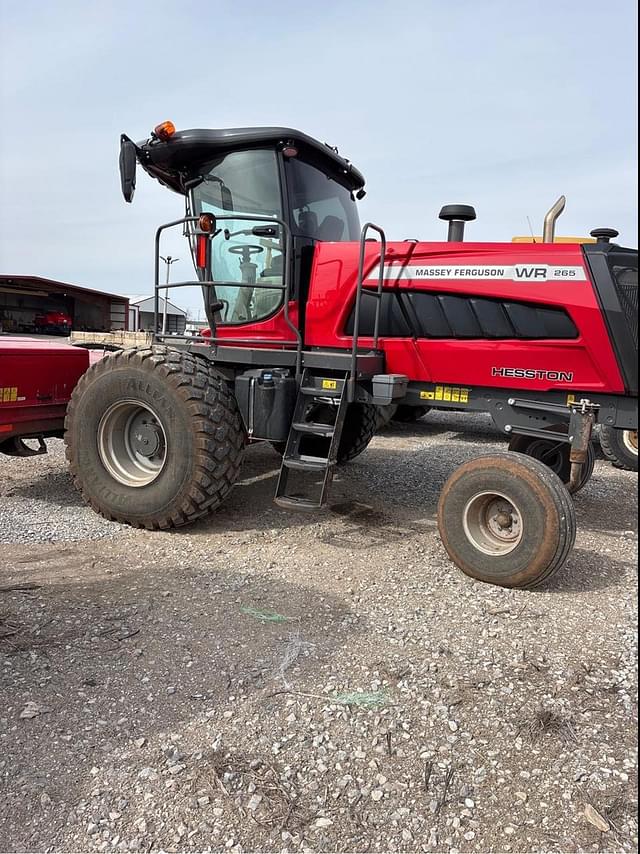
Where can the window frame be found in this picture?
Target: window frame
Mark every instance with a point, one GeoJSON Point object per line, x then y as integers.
{"type": "Point", "coordinates": [289, 181]}
{"type": "Point", "coordinates": [285, 214]}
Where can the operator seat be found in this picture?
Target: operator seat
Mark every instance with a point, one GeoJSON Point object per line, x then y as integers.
{"type": "Point", "coordinates": [331, 229]}
{"type": "Point", "coordinates": [308, 223]}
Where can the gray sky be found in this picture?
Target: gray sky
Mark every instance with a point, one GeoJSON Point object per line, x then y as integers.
{"type": "Point", "coordinates": [501, 104]}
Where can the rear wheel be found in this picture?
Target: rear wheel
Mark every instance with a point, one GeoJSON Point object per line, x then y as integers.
{"type": "Point", "coordinates": [408, 414]}
{"type": "Point", "coordinates": [620, 446]}
{"type": "Point", "coordinates": [153, 437]}
{"type": "Point", "coordinates": [556, 455]}
{"type": "Point", "coordinates": [506, 519]}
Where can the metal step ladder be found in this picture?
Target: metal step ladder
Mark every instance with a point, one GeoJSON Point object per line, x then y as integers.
{"type": "Point", "coordinates": [314, 389]}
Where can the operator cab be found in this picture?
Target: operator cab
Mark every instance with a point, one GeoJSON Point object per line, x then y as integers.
{"type": "Point", "coordinates": [277, 173]}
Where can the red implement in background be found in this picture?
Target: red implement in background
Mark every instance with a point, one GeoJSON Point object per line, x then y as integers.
{"type": "Point", "coordinates": [53, 321]}
{"type": "Point", "coordinates": [36, 381]}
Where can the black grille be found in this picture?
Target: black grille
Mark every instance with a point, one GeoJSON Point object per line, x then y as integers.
{"type": "Point", "coordinates": [424, 314]}
{"type": "Point", "coordinates": [626, 279]}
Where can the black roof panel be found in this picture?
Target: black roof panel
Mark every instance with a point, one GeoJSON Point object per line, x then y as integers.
{"type": "Point", "coordinates": [181, 156]}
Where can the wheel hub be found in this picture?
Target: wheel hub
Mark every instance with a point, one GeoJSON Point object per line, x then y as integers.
{"type": "Point", "coordinates": [132, 443]}
{"type": "Point", "coordinates": [504, 520]}
{"type": "Point", "coordinates": [146, 439]}
{"type": "Point", "coordinates": [493, 523]}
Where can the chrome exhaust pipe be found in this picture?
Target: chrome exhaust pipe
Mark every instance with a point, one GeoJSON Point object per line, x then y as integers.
{"type": "Point", "coordinates": [549, 230]}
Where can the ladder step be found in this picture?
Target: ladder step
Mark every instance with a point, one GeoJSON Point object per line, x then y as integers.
{"type": "Point", "coordinates": [316, 391]}
{"type": "Point", "coordinates": [313, 428]}
{"type": "Point", "coordinates": [289, 502]}
{"type": "Point", "coordinates": [310, 494]}
{"type": "Point", "coordinates": [307, 464]}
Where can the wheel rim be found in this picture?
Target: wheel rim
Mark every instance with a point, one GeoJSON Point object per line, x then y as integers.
{"type": "Point", "coordinates": [132, 443]}
{"type": "Point", "coordinates": [493, 523]}
{"type": "Point", "coordinates": [630, 439]}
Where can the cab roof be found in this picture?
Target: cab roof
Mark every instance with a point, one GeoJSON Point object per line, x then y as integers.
{"type": "Point", "coordinates": [181, 158]}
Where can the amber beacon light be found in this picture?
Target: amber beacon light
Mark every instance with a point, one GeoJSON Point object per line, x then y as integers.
{"type": "Point", "coordinates": [164, 131]}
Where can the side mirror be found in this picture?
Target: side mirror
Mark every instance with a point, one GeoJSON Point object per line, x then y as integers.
{"type": "Point", "coordinates": [127, 168]}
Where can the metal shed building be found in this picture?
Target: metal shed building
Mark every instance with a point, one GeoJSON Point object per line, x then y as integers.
{"type": "Point", "coordinates": [176, 317]}
{"type": "Point", "coordinates": [22, 298]}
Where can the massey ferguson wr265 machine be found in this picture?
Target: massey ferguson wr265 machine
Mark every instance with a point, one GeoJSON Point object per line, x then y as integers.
{"type": "Point", "coordinates": [315, 324]}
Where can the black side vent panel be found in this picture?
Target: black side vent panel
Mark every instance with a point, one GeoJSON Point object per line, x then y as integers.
{"type": "Point", "coordinates": [626, 281]}
{"type": "Point", "coordinates": [614, 271]}
{"type": "Point", "coordinates": [422, 314]}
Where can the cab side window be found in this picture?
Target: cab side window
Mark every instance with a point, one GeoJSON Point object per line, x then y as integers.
{"type": "Point", "coordinates": [322, 208]}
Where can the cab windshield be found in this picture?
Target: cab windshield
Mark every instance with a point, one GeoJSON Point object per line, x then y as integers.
{"type": "Point", "coordinates": [248, 182]}
{"type": "Point", "coordinates": [244, 183]}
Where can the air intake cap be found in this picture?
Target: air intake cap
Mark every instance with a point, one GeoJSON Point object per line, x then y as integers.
{"type": "Point", "coordinates": [604, 235]}
{"type": "Point", "coordinates": [457, 215]}
{"type": "Point", "coordinates": [463, 213]}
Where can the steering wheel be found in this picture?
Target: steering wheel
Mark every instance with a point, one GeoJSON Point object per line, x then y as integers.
{"type": "Point", "coordinates": [246, 250]}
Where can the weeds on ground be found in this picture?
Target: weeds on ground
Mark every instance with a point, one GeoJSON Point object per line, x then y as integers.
{"type": "Point", "coordinates": [548, 721]}
{"type": "Point", "coordinates": [263, 616]}
{"type": "Point", "coordinates": [363, 699]}
{"type": "Point", "coordinates": [257, 790]}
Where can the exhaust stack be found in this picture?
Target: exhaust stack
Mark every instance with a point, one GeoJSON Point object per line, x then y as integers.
{"type": "Point", "coordinates": [549, 230]}
{"type": "Point", "coordinates": [456, 216]}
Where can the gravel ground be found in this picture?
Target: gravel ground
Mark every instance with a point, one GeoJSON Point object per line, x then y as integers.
{"type": "Point", "coordinates": [283, 682]}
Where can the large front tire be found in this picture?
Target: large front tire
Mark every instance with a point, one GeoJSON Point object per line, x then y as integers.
{"type": "Point", "coordinates": [506, 519]}
{"type": "Point", "coordinates": [153, 437]}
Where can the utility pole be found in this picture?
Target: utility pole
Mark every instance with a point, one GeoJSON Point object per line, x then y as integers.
{"type": "Point", "coordinates": [168, 261]}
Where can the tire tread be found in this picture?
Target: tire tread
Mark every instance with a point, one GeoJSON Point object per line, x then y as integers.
{"type": "Point", "coordinates": [193, 378]}
{"type": "Point", "coordinates": [561, 501]}
{"type": "Point", "coordinates": [614, 450]}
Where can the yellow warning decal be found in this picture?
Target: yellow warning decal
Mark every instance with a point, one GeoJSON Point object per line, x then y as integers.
{"type": "Point", "coordinates": [330, 384]}
{"type": "Point", "coordinates": [8, 395]}
{"type": "Point", "coordinates": [450, 394]}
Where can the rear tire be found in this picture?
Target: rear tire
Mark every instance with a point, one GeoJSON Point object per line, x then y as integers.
{"type": "Point", "coordinates": [620, 447]}
{"type": "Point", "coordinates": [408, 414]}
{"type": "Point", "coordinates": [506, 519]}
{"type": "Point", "coordinates": [360, 426]}
{"type": "Point", "coordinates": [555, 455]}
{"type": "Point", "coordinates": [153, 437]}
